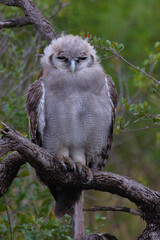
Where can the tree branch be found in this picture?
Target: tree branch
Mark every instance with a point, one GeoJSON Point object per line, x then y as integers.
{"type": "Point", "coordinates": [117, 54]}
{"type": "Point", "coordinates": [9, 168]}
{"type": "Point", "coordinates": [59, 7]}
{"type": "Point", "coordinates": [101, 236]}
{"type": "Point", "coordinates": [8, 2]}
{"type": "Point", "coordinates": [14, 22]}
{"type": "Point", "coordinates": [35, 17]}
{"type": "Point", "coordinates": [114, 209]}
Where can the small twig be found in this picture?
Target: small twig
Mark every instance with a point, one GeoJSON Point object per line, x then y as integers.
{"type": "Point", "coordinates": [126, 61]}
{"type": "Point", "coordinates": [59, 7]}
{"type": "Point", "coordinates": [114, 209]}
{"type": "Point", "coordinates": [9, 221]}
{"type": "Point", "coordinates": [137, 68]}
{"type": "Point", "coordinates": [140, 129]}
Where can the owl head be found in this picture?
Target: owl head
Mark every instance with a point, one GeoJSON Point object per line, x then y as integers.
{"type": "Point", "coordinates": [70, 53]}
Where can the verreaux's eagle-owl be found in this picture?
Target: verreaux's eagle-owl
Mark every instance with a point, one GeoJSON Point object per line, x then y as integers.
{"type": "Point", "coordinates": [71, 109]}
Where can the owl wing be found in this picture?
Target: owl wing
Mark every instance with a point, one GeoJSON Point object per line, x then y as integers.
{"type": "Point", "coordinates": [35, 109]}
{"type": "Point", "coordinates": [112, 94]}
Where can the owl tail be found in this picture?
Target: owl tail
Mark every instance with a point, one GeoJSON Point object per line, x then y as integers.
{"type": "Point", "coordinates": [65, 201]}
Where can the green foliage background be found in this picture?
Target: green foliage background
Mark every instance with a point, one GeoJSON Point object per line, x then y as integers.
{"type": "Point", "coordinates": [135, 150]}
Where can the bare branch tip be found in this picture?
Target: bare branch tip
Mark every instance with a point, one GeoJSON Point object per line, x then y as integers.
{"type": "Point", "coordinates": [3, 132]}
{"type": "Point", "coordinates": [4, 125]}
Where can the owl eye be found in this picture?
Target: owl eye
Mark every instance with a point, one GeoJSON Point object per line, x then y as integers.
{"type": "Point", "coordinates": [82, 58]}
{"type": "Point", "coordinates": [62, 57]}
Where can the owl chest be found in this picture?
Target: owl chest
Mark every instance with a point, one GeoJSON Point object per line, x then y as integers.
{"type": "Point", "coordinates": [76, 117]}
{"type": "Point", "coordinates": [74, 109]}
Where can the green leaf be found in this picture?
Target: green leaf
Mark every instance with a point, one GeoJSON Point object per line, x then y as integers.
{"type": "Point", "coordinates": [109, 43]}
{"type": "Point", "coordinates": [157, 44]}
{"type": "Point", "coordinates": [120, 46]}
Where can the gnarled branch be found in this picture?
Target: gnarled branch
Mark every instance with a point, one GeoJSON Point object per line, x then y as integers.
{"type": "Point", "coordinates": [33, 16]}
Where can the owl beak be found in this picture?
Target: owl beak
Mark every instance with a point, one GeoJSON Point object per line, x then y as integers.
{"type": "Point", "coordinates": [73, 65]}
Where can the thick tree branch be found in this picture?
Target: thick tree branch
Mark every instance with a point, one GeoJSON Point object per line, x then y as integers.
{"type": "Point", "coordinates": [145, 198]}
{"type": "Point", "coordinates": [101, 236]}
{"type": "Point", "coordinates": [14, 22]}
{"type": "Point", "coordinates": [35, 17]}
{"type": "Point", "coordinates": [40, 159]}
{"type": "Point", "coordinates": [8, 2]}
{"type": "Point", "coordinates": [9, 168]}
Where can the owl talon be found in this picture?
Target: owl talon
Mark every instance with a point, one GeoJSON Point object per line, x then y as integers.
{"type": "Point", "coordinates": [88, 173]}
{"type": "Point", "coordinates": [64, 165]}
{"type": "Point", "coordinates": [78, 168]}
{"type": "Point", "coordinates": [67, 164]}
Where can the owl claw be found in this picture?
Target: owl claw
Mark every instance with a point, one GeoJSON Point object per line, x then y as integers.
{"type": "Point", "coordinates": [88, 172]}
{"type": "Point", "coordinates": [77, 167]}
{"type": "Point", "coordinates": [80, 167]}
{"type": "Point", "coordinates": [64, 165]}
{"type": "Point", "coordinates": [67, 164]}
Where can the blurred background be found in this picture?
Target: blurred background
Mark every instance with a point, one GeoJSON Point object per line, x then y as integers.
{"type": "Point", "coordinates": [136, 145]}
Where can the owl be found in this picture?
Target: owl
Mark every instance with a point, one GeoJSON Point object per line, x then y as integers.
{"type": "Point", "coordinates": [71, 110]}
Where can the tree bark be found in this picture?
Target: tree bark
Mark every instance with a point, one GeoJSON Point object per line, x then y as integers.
{"type": "Point", "coordinates": [14, 22]}
{"type": "Point", "coordinates": [34, 16]}
{"type": "Point", "coordinates": [9, 168]}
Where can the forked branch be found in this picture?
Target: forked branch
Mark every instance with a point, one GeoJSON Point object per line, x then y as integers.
{"type": "Point", "coordinates": [32, 16]}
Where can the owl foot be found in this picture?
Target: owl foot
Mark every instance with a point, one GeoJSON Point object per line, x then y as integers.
{"type": "Point", "coordinates": [88, 173]}
{"type": "Point", "coordinates": [76, 167]}
{"type": "Point", "coordinates": [79, 168]}
{"type": "Point", "coordinates": [68, 164]}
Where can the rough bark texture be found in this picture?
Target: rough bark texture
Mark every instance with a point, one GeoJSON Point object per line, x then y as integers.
{"type": "Point", "coordinates": [14, 22]}
{"type": "Point", "coordinates": [52, 170]}
{"type": "Point", "coordinates": [151, 232]}
{"type": "Point", "coordinates": [34, 16]}
{"type": "Point", "coordinates": [100, 236]}
{"type": "Point", "coordinates": [8, 170]}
